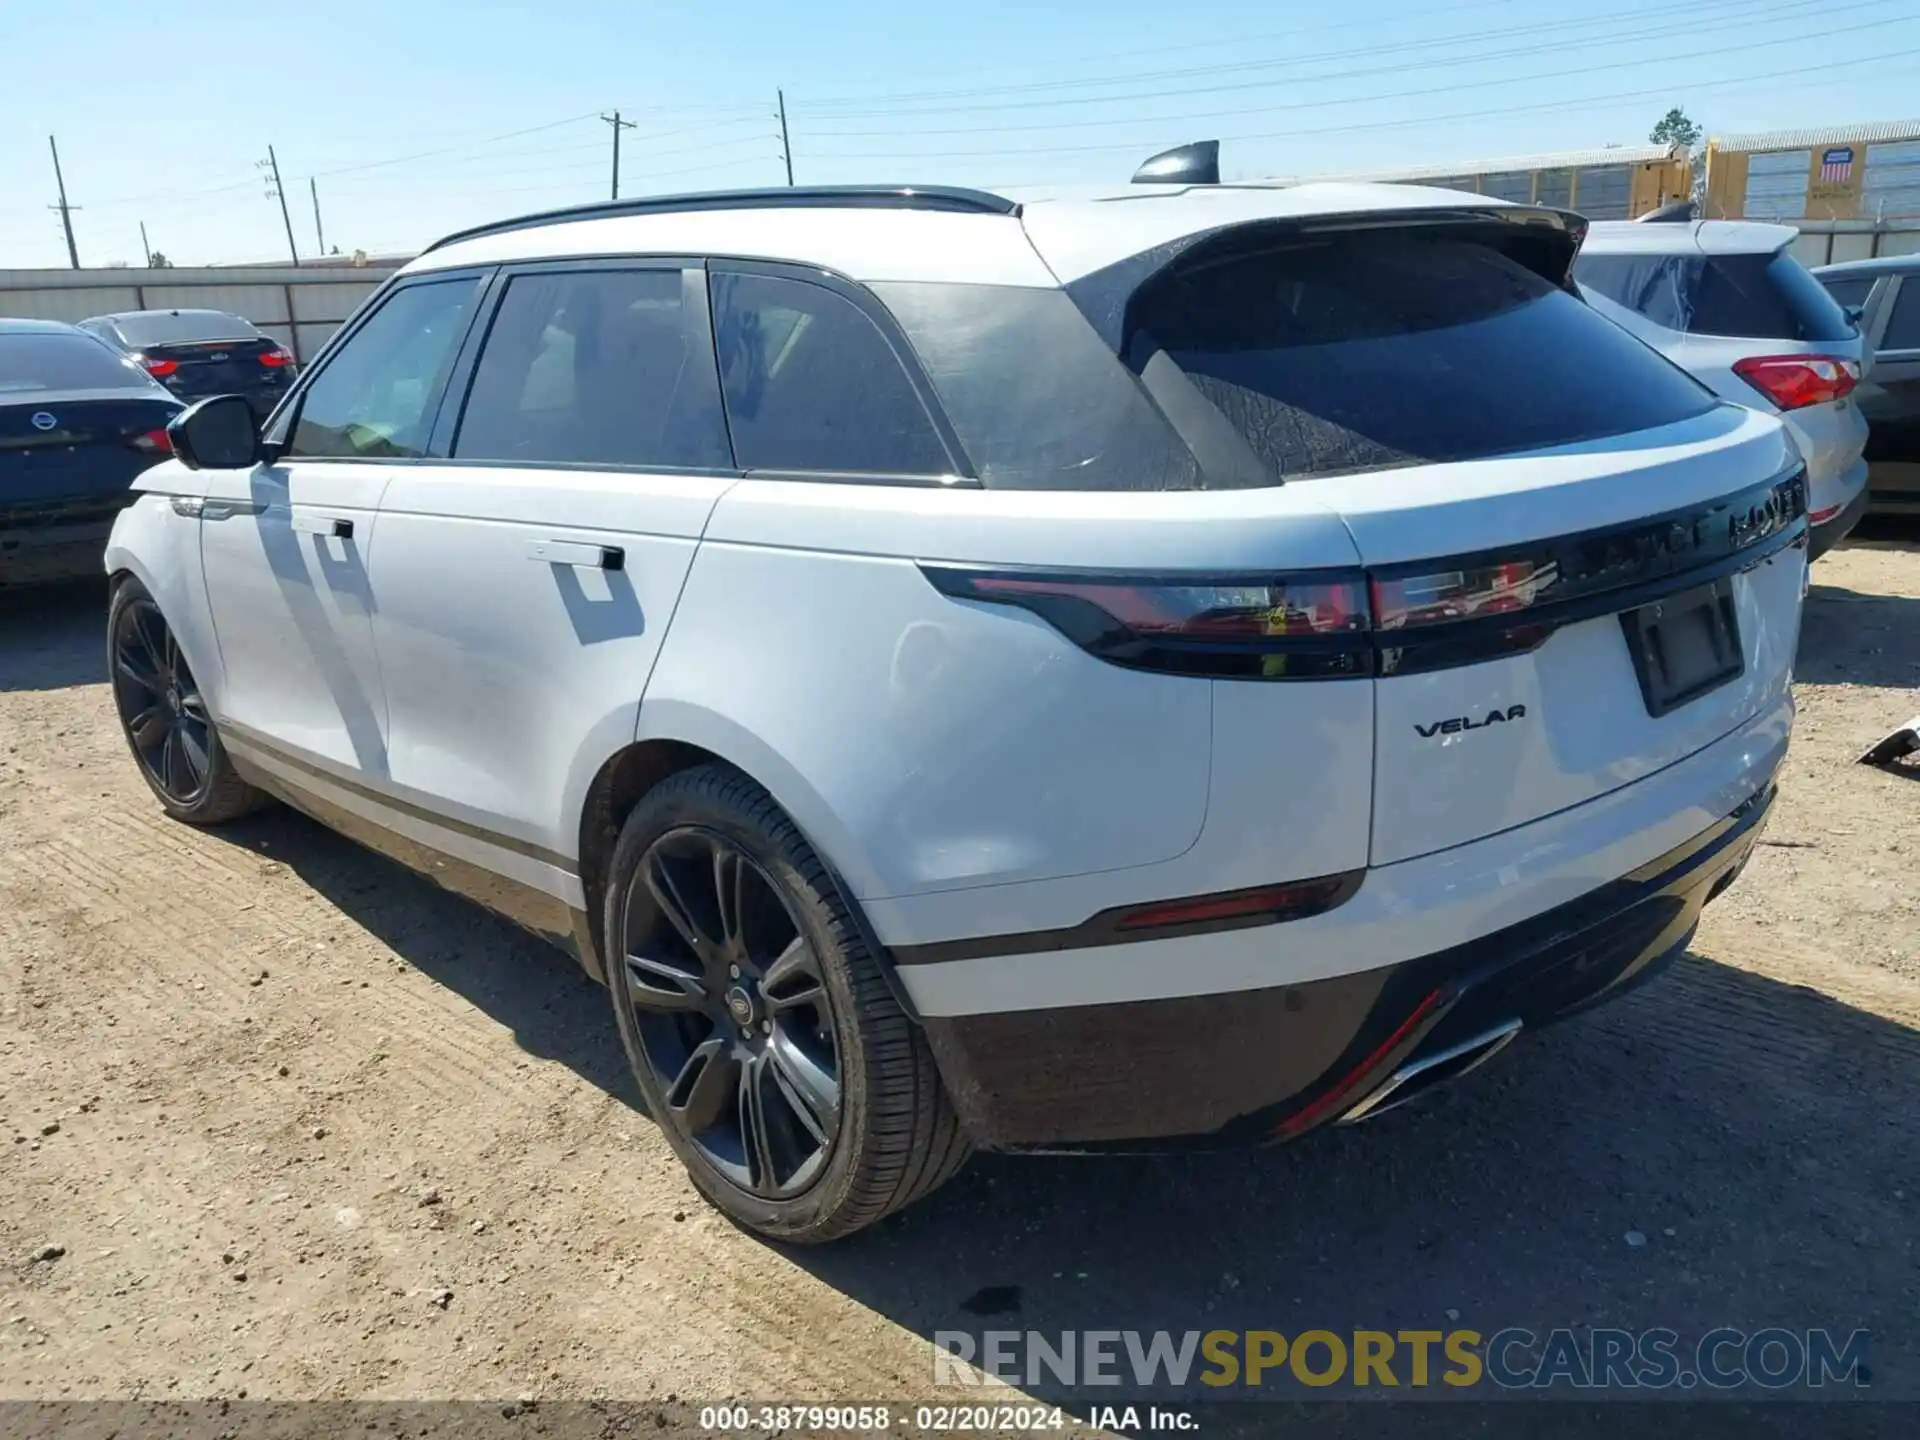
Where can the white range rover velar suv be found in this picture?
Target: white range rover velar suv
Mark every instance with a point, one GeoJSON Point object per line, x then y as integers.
{"type": "Point", "coordinates": [1178, 666]}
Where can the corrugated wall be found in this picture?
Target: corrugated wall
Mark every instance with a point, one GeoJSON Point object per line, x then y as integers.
{"type": "Point", "coordinates": [298, 307]}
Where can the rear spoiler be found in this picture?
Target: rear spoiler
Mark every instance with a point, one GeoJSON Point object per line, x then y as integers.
{"type": "Point", "coordinates": [1544, 240]}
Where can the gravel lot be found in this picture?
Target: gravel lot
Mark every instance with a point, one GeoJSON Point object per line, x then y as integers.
{"type": "Point", "coordinates": [303, 1126]}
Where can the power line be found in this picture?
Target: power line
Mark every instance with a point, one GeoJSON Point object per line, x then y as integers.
{"type": "Point", "coordinates": [66, 210]}
{"type": "Point", "coordinates": [1780, 12]}
{"type": "Point", "coordinates": [1292, 60]}
{"type": "Point", "coordinates": [1482, 84]}
{"type": "Point", "coordinates": [618, 125]}
{"type": "Point", "coordinates": [1373, 22]}
{"type": "Point", "coordinates": [277, 191]}
{"type": "Point", "coordinates": [1562, 103]}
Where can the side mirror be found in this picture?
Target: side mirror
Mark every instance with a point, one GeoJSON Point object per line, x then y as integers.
{"type": "Point", "coordinates": [216, 434]}
{"type": "Point", "coordinates": [1855, 314]}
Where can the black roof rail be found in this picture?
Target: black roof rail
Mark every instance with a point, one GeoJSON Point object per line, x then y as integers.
{"type": "Point", "coordinates": [786, 197]}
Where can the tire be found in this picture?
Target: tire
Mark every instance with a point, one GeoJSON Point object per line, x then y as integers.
{"type": "Point", "coordinates": [737, 1078]}
{"type": "Point", "coordinates": [164, 718]}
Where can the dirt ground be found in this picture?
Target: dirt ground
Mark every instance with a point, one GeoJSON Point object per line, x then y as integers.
{"type": "Point", "coordinates": [304, 1126]}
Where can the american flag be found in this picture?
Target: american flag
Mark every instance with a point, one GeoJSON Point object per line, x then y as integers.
{"type": "Point", "coordinates": [1836, 165]}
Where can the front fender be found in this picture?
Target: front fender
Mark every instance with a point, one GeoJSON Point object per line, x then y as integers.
{"type": "Point", "coordinates": [161, 549]}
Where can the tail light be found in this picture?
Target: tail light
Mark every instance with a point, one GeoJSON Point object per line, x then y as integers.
{"type": "Point", "coordinates": [153, 442]}
{"type": "Point", "coordinates": [1397, 619]}
{"type": "Point", "coordinates": [1259, 627]}
{"type": "Point", "coordinates": [274, 359]}
{"type": "Point", "coordinates": [158, 368]}
{"type": "Point", "coordinates": [1795, 381]}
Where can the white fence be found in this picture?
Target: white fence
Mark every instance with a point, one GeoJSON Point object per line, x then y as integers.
{"type": "Point", "coordinates": [1828, 242]}
{"type": "Point", "coordinates": [299, 306]}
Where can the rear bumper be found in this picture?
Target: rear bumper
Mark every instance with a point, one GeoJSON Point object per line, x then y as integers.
{"type": "Point", "coordinates": [1261, 1066]}
{"type": "Point", "coordinates": [37, 554]}
{"type": "Point", "coordinates": [1824, 536]}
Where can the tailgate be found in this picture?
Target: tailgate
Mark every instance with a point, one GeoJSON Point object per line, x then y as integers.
{"type": "Point", "coordinates": [1560, 625]}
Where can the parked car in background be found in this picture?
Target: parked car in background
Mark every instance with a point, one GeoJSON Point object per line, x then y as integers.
{"type": "Point", "coordinates": [78, 421]}
{"type": "Point", "coordinates": [1179, 667]}
{"type": "Point", "coordinates": [1725, 301]}
{"type": "Point", "coordinates": [199, 353]}
{"type": "Point", "coordinates": [1885, 293]}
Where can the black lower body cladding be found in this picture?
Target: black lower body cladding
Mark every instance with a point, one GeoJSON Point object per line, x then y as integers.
{"type": "Point", "coordinates": [1256, 1067]}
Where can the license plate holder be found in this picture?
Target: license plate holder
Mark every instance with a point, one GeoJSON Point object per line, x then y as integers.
{"type": "Point", "coordinates": [1685, 646]}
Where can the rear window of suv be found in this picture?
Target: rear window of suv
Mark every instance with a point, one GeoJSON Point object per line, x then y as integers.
{"type": "Point", "coordinates": [1746, 297]}
{"type": "Point", "coordinates": [1364, 351]}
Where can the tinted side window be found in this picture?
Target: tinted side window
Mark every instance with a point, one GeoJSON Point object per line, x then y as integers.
{"type": "Point", "coordinates": [1765, 297]}
{"type": "Point", "coordinates": [1903, 325]}
{"type": "Point", "coordinates": [1375, 350]}
{"type": "Point", "coordinates": [1848, 289]}
{"type": "Point", "coordinates": [374, 396]}
{"type": "Point", "coordinates": [812, 384]}
{"type": "Point", "coordinates": [1036, 398]}
{"type": "Point", "coordinates": [1651, 285]}
{"type": "Point", "coordinates": [1748, 297]}
{"type": "Point", "coordinates": [595, 367]}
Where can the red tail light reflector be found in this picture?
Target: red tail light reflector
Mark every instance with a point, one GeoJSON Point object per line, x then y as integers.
{"type": "Point", "coordinates": [1460, 594]}
{"type": "Point", "coordinates": [154, 442]}
{"type": "Point", "coordinates": [160, 369]}
{"type": "Point", "coordinates": [1310, 626]}
{"type": "Point", "coordinates": [274, 359]}
{"type": "Point", "coordinates": [1272, 902]}
{"type": "Point", "coordinates": [1795, 381]}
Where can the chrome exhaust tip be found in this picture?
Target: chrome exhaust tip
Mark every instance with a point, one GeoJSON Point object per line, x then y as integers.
{"type": "Point", "coordinates": [1430, 1070]}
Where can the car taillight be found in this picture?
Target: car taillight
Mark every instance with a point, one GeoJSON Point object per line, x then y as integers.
{"type": "Point", "coordinates": [1795, 381]}
{"type": "Point", "coordinates": [1399, 619]}
{"type": "Point", "coordinates": [160, 369]}
{"type": "Point", "coordinates": [1445, 595]}
{"type": "Point", "coordinates": [154, 442]}
{"type": "Point", "coordinates": [274, 359]}
{"type": "Point", "coordinates": [1237, 627]}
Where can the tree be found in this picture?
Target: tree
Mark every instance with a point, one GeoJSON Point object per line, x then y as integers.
{"type": "Point", "coordinates": [1676, 129]}
{"type": "Point", "coordinates": [157, 261]}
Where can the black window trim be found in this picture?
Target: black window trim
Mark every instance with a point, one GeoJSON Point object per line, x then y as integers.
{"type": "Point", "coordinates": [961, 473]}
{"type": "Point", "coordinates": [446, 426]}
{"type": "Point", "coordinates": [277, 432]}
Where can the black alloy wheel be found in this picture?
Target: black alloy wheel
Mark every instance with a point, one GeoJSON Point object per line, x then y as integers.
{"type": "Point", "coordinates": [733, 1014]}
{"type": "Point", "coordinates": [762, 1027]}
{"type": "Point", "coordinates": [165, 717]}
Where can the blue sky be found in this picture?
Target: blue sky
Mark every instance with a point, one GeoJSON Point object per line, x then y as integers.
{"type": "Point", "coordinates": [419, 116]}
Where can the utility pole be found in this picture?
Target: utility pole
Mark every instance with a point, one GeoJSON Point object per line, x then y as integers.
{"type": "Point", "coordinates": [277, 191]}
{"type": "Point", "coordinates": [618, 125]}
{"type": "Point", "coordinates": [786, 146]}
{"type": "Point", "coordinates": [66, 210]}
{"type": "Point", "coordinates": [145, 248]}
{"type": "Point", "coordinates": [319, 235]}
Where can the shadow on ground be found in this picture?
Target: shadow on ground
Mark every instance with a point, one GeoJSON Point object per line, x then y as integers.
{"type": "Point", "coordinates": [53, 636]}
{"type": "Point", "coordinates": [1757, 1135]}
